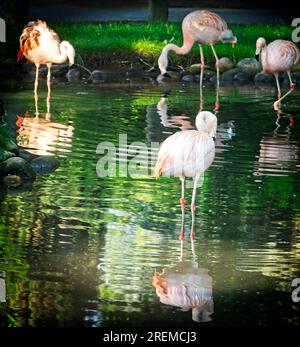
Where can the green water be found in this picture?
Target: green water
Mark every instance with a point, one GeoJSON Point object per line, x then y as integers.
{"type": "Point", "coordinates": [81, 250]}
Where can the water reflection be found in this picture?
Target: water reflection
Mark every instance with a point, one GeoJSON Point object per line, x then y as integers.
{"type": "Point", "coordinates": [278, 155]}
{"type": "Point", "coordinates": [42, 136]}
{"type": "Point", "coordinates": [184, 284]}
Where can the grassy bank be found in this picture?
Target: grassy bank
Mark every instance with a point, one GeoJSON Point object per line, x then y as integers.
{"type": "Point", "coordinates": [116, 42]}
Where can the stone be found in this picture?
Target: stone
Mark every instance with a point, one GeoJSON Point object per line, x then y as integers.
{"type": "Point", "coordinates": [73, 75]}
{"type": "Point", "coordinates": [11, 146]}
{"type": "Point", "coordinates": [188, 78]}
{"type": "Point", "coordinates": [228, 76]}
{"type": "Point", "coordinates": [243, 77]}
{"type": "Point", "coordinates": [12, 180]}
{"type": "Point", "coordinates": [97, 76]}
{"type": "Point", "coordinates": [24, 154]}
{"type": "Point", "coordinates": [295, 78]}
{"type": "Point", "coordinates": [4, 155]}
{"type": "Point", "coordinates": [225, 64]}
{"type": "Point", "coordinates": [16, 165]}
{"type": "Point", "coordinates": [249, 65]}
{"type": "Point", "coordinates": [44, 163]}
{"type": "Point", "coordinates": [262, 77]}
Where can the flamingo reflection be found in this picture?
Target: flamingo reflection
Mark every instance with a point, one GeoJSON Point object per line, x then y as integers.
{"type": "Point", "coordinates": [186, 285]}
{"type": "Point", "coordinates": [41, 136]}
{"type": "Point", "coordinates": [278, 155]}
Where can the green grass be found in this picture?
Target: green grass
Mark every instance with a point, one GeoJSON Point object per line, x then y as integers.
{"type": "Point", "coordinates": [112, 43]}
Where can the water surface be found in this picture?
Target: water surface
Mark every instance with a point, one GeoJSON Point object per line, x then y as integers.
{"type": "Point", "coordinates": [81, 250]}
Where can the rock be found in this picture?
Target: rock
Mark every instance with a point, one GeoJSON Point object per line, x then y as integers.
{"type": "Point", "coordinates": [243, 77]}
{"type": "Point", "coordinates": [26, 155]}
{"type": "Point", "coordinates": [227, 76]}
{"type": "Point", "coordinates": [12, 180]}
{"type": "Point", "coordinates": [97, 76]}
{"type": "Point", "coordinates": [4, 155]}
{"type": "Point", "coordinates": [188, 78]}
{"type": "Point", "coordinates": [11, 146]}
{"type": "Point", "coordinates": [262, 77]}
{"type": "Point", "coordinates": [249, 65]}
{"type": "Point", "coordinates": [194, 69]}
{"type": "Point", "coordinates": [225, 64]}
{"type": "Point", "coordinates": [295, 78]}
{"type": "Point", "coordinates": [44, 163]}
{"type": "Point", "coordinates": [73, 75]}
{"type": "Point", "coordinates": [16, 165]}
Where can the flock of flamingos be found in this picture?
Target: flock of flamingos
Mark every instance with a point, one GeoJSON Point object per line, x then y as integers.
{"type": "Point", "coordinates": [186, 153]}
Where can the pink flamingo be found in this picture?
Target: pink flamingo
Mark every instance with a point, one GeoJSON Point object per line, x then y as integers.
{"type": "Point", "coordinates": [203, 27]}
{"type": "Point", "coordinates": [189, 153]}
{"type": "Point", "coordinates": [41, 45]}
{"type": "Point", "coordinates": [278, 56]}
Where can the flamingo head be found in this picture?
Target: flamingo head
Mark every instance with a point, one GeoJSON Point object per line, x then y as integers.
{"type": "Point", "coordinates": [163, 63]}
{"type": "Point", "coordinates": [70, 51]}
{"type": "Point", "coordinates": [260, 44]}
{"type": "Point", "coordinates": [227, 37]}
{"type": "Point", "coordinates": [207, 122]}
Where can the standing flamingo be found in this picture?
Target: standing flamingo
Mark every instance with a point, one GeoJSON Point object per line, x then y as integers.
{"type": "Point", "coordinates": [203, 27]}
{"type": "Point", "coordinates": [188, 154]}
{"type": "Point", "coordinates": [41, 45]}
{"type": "Point", "coordinates": [278, 56]}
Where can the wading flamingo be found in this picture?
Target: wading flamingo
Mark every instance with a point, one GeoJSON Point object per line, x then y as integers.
{"type": "Point", "coordinates": [41, 45]}
{"type": "Point", "coordinates": [203, 27]}
{"type": "Point", "coordinates": [188, 154]}
{"type": "Point", "coordinates": [278, 56]}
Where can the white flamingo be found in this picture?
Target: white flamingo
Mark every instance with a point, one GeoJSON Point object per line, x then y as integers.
{"type": "Point", "coordinates": [188, 154]}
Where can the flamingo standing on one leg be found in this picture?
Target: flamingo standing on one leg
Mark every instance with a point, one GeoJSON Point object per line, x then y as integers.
{"type": "Point", "coordinates": [203, 27]}
{"type": "Point", "coordinates": [188, 154]}
{"type": "Point", "coordinates": [278, 56]}
{"type": "Point", "coordinates": [41, 45]}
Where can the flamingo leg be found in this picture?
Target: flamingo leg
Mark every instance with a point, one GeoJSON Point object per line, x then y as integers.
{"type": "Point", "coordinates": [278, 86]}
{"type": "Point", "coordinates": [49, 86]}
{"type": "Point", "coordinates": [292, 88]}
{"type": "Point", "coordinates": [193, 206]}
{"type": "Point", "coordinates": [202, 66]}
{"type": "Point", "coordinates": [182, 203]}
{"type": "Point", "coordinates": [218, 77]}
{"type": "Point", "coordinates": [36, 83]}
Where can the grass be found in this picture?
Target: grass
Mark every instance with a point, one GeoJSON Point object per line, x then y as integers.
{"type": "Point", "coordinates": [113, 43]}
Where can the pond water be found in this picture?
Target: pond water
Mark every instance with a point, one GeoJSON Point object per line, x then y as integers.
{"type": "Point", "coordinates": [77, 249]}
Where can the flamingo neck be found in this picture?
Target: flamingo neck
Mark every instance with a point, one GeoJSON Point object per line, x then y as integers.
{"type": "Point", "coordinates": [184, 49]}
{"type": "Point", "coordinates": [61, 56]}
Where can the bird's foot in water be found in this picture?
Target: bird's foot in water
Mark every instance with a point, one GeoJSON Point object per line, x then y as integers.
{"type": "Point", "coordinates": [276, 105]}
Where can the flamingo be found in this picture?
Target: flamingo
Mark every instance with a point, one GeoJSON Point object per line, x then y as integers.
{"type": "Point", "coordinates": [278, 56]}
{"type": "Point", "coordinates": [203, 27]}
{"type": "Point", "coordinates": [41, 45]}
{"type": "Point", "coordinates": [189, 153]}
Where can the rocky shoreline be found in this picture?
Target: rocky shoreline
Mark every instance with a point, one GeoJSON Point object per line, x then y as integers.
{"type": "Point", "coordinates": [18, 165]}
{"type": "Point", "coordinates": [246, 71]}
